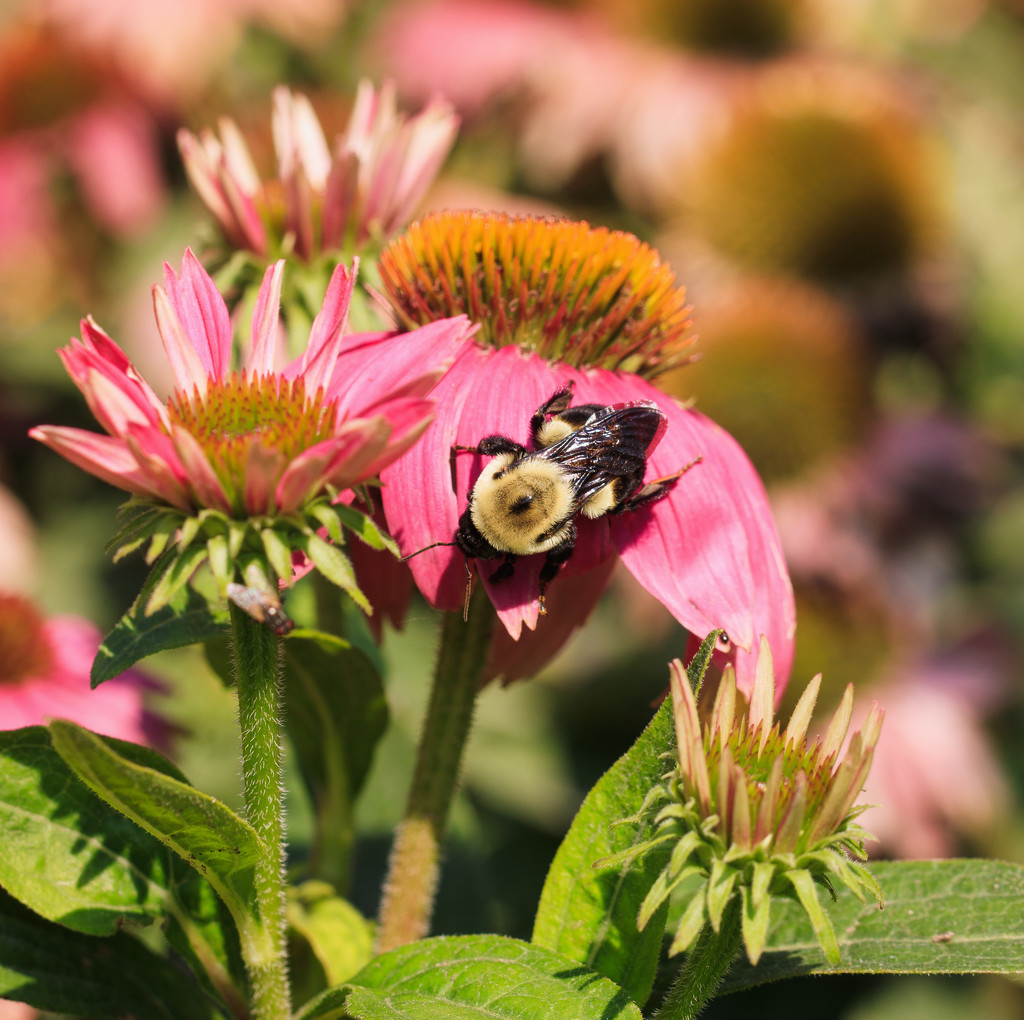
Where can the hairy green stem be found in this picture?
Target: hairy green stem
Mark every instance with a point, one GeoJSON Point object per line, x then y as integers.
{"type": "Point", "coordinates": [706, 965]}
{"type": "Point", "coordinates": [258, 673]}
{"type": "Point", "coordinates": [414, 866]}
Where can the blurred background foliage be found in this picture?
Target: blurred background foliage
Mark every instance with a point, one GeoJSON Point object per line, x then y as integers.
{"type": "Point", "coordinates": [839, 184]}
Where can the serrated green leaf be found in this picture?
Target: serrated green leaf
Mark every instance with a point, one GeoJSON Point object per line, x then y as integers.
{"type": "Point", "coordinates": [187, 619]}
{"type": "Point", "coordinates": [337, 568]}
{"type": "Point", "coordinates": [473, 976]}
{"type": "Point", "coordinates": [590, 915]}
{"type": "Point", "coordinates": [56, 969]}
{"type": "Point", "coordinates": [336, 713]}
{"type": "Point", "coordinates": [198, 828]}
{"type": "Point", "coordinates": [940, 917]}
{"type": "Point", "coordinates": [365, 528]}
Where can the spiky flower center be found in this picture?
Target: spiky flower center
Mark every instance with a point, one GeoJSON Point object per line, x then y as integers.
{"type": "Point", "coordinates": [742, 752]}
{"type": "Point", "coordinates": [25, 650]}
{"type": "Point", "coordinates": [244, 418]}
{"type": "Point", "coordinates": [585, 296]}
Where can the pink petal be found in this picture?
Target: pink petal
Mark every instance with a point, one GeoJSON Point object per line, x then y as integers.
{"type": "Point", "coordinates": [709, 551]}
{"type": "Point", "coordinates": [160, 464]}
{"type": "Point", "coordinates": [263, 467]}
{"type": "Point", "coordinates": [373, 367]}
{"type": "Point", "coordinates": [308, 472]}
{"type": "Point", "coordinates": [187, 366]}
{"type": "Point", "coordinates": [265, 321]}
{"type": "Point", "coordinates": [201, 477]}
{"type": "Point", "coordinates": [103, 456]}
{"type": "Point", "coordinates": [319, 360]}
{"type": "Point", "coordinates": [203, 314]}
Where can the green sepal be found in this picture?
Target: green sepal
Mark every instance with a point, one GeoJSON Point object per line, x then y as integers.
{"type": "Point", "coordinates": [337, 568]}
{"type": "Point", "coordinates": [691, 922]}
{"type": "Point", "coordinates": [803, 885]}
{"type": "Point", "coordinates": [698, 665]}
{"type": "Point", "coordinates": [664, 886]}
{"type": "Point", "coordinates": [279, 554]}
{"type": "Point", "coordinates": [365, 528]}
{"type": "Point", "coordinates": [721, 884]}
{"type": "Point", "coordinates": [173, 571]}
{"type": "Point", "coordinates": [755, 919]}
{"type": "Point", "coordinates": [327, 517]}
{"type": "Point", "coordinates": [220, 560]}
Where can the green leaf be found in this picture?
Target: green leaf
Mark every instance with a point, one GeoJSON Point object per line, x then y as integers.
{"type": "Point", "coordinates": [940, 917]}
{"type": "Point", "coordinates": [198, 828]}
{"type": "Point", "coordinates": [340, 937]}
{"type": "Point", "coordinates": [55, 969]}
{"type": "Point", "coordinates": [69, 856]}
{"type": "Point", "coordinates": [591, 915]}
{"type": "Point", "coordinates": [473, 976]}
{"type": "Point", "coordinates": [336, 713]}
{"type": "Point", "coordinates": [187, 619]}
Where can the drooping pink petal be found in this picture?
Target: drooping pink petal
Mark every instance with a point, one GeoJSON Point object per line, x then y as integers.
{"type": "Point", "coordinates": [265, 321]}
{"type": "Point", "coordinates": [104, 456]}
{"type": "Point", "coordinates": [407, 419]}
{"type": "Point", "coordinates": [118, 364]}
{"type": "Point", "coordinates": [710, 551]}
{"type": "Point", "coordinates": [202, 312]}
{"type": "Point", "coordinates": [160, 464]}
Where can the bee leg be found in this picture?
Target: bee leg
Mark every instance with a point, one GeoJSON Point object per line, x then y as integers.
{"type": "Point", "coordinates": [504, 572]}
{"type": "Point", "coordinates": [656, 489]}
{"type": "Point", "coordinates": [555, 404]}
{"type": "Point", "coordinates": [553, 563]}
{"type": "Point", "coordinates": [491, 446]}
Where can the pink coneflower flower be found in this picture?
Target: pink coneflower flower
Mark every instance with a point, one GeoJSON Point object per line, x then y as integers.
{"type": "Point", "coordinates": [559, 302]}
{"type": "Point", "coordinates": [45, 673]}
{"type": "Point", "coordinates": [755, 811]}
{"type": "Point", "coordinates": [324, 198]}
{"type": "Point", "coordinates": [241, 464]}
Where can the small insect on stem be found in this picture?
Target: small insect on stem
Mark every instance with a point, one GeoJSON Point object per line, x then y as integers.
{"type": "Point", "coordinates": [263, 606]}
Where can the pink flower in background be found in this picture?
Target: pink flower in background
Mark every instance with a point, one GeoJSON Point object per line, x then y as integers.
{"type": "Point", "coordinates": [170, 49]}
{"type": "Point", "coordinates": [364, 188]}
{"type": "Point", "coordinates": [708, 551]}
{"type": "Point", "coordinates": [263, 439]}
{"type": "Point", "coordinates": [45, 673]}
{"type": "Point", "coordinates": [935, 779]}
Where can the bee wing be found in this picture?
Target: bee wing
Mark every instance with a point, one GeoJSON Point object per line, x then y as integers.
{"type": "Point", "coordinates": [612, 445]}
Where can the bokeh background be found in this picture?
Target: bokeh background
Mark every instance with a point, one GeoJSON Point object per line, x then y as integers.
{"type": "Point", "coordinates": [839, 184]}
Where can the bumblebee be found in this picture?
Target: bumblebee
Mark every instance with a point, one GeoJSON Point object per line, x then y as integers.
{"type": "Point", "coordinates": [589, 459]}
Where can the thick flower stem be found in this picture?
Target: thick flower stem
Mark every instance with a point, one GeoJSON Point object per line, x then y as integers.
{"type": "Point", "coordinates": [415, 857]}
{"type": "Point", "coordinates": [705, 966]}
{"type": "Point", "coordinates": [257, 666]}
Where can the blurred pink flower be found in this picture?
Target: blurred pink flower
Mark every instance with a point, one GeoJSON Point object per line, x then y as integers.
{"type": "Point", "coordinates": [263, 439]}
{"type": "Point", "coordinates": [17, 544]}
{"type": "Point", "coordinates": [11, 1010]}
{"type": "Point", "coordinates": [579, 89]}
{"type": "Point", "coordinates": [170, 49]}
{"type": "Point", "coordinates": [112, 149]}
{"type": "Point", "coordinates": [45, 673]}
{"type": "Point", "coordinates": [364, 189]}
{"type": "Point", "coordinates": [935, 778]}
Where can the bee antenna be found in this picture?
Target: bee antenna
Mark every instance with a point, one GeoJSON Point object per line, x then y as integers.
{"type": "Point", "coordinates": [469, 593]}
{"type": "Point", "coordinates": [434, 545]}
